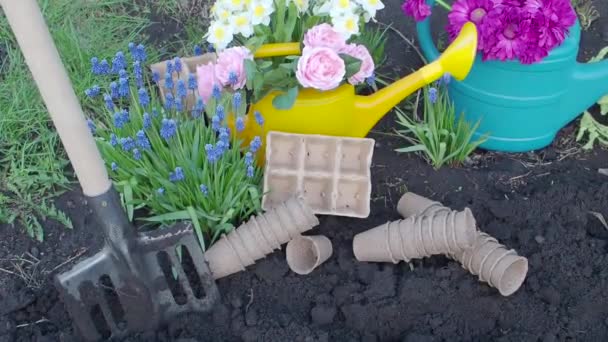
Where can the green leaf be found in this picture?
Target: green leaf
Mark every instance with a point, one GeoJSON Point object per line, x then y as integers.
{"type": "Point", "coordinates": [603, 102]}
{"type": "Point", "coordinates": [250, 71]}
{"type": "Point", "coordinates": [292, 17]}
{"type": "Point", "coordinates": [197, 226]}
{"type": "Point", "coordinates": [353, 65]}
{"type": "Point", "coordinates": [286, 100]}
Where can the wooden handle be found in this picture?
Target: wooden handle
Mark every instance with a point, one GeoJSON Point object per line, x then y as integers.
{"type": "Point", "coordinates": [43, 60]}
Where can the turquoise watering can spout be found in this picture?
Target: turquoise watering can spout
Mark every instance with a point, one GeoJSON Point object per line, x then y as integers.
{"type": "Point", "coordinates": [522, 107]}
{"type": "Point", "coordinates": [589, 84]}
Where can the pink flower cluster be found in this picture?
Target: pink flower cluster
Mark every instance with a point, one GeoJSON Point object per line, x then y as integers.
{"type": "Point", "coordinates": [227, 71]}
{"type": "Point", "coordinates": [526, 30]}
{"type": "Point", "coordinates": [321, 66]}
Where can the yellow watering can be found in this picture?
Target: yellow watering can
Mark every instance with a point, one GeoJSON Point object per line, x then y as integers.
{"type": "Point", "coordinates": [340, 112]}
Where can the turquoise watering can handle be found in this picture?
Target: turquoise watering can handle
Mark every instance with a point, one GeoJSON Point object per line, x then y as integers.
{"type": "Point", "coordinates": [426, 39]}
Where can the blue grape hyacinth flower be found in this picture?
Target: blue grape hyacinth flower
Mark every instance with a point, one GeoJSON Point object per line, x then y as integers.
{"type": "Point", "coordinates": [240, 124]}
{"type": "Point", "coordinates": [132, 49]}
{"type": "Point", "coordinates": [177, 64]}
{"type": "Point", "coordinates": [95, 67]}
{"type": "Point", "coordinates": [136, 154]}
{"type": "Point", "coordinates": [118, 62]}
{"type": "Point", "coordinates": [179, 106]}
{"type": "Point", "coordinates": [177, 175]}
{"type": "Point", "coordinates": [144, 98]}
{"type": "Point", "coordinates": [119, 120]}
{"type": "Point", "coordinates": [250, 171]}
{"type": "Point", "coordinates": [168, 129]}
{"type": "Point", "coordinates": [93, 91]}
{"type": "Point", "coordinates": [248, 158]}
{"type": "Point", "coordinates": [215, 123]}
{"type": "Point", "coordinates": [142, 140]}
{"type": "Point", "coordinates": [91, 126]}
{"type": "Point", "coordinates": [127, 144]}
{"type": "Point", "coordinates": [155, 77]}
{"type": "Point", "coordinates": [211, 153]}
{"type": "Point", "coordinates": [371, 81]}
{"type": "Point", "coordinates": [220, 112]}
{"type": "Point", "coordinates": [147, 120]}
{"type": "Point", "coordinates": [113, 139]}
{"type": "Point", "coordinates": [204, 189]}
{"type": "Point", "coordinates": [169, 101]}
{"type": "Point", "coordinates": [104, 67]}
{"type": "Point", "coordinates": [233, 78]}
{"type": "Point", "coordinates": [123, 87]}
{"type": "Point", "coordinates": [123, 74]}
{"type": "Point", "coordinates": [236, 100]}
{"type": "Point", "coordinates": [168, 81]}
{"type": "Point", "coordinates": [108, 102]}
{"type": "Point", "coordinates": [181, 89]}
{"type": "Point", "coordinates": [192, 82]}
{"type": "Point", "coordinates": [169, 65]}
{"type": "Point", "coordinates": [139, 74]}
{"type": "Point", "coordinates": [114, 90]}
{"type": "Point", "coordinates": [114, 166]}
{"type": "Point", "coordinates": [433, 95]}
{"type": "Point", "coordinates": [160, 191]}
{"type": "Point", "coordinates": [255, 144]}
{"type": "Point", "coordinates": [216, 93]}
{"type": "Point", "coordinates": [198, 50]}
{"type": "Point", "coordinates": [259, 118]}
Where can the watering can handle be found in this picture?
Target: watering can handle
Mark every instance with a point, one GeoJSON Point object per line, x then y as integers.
{"type": "Point", "coordinates": [42, 58]}
{"type": "Point", "coordinates": [426, 39]}
{"type": "Point", "coordinates": [278, 49]}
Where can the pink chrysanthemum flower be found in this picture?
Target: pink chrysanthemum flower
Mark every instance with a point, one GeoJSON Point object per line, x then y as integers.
{"type": "Point", "coordinates": [514, 35]}
{"type": "Point", "coordinates": [553, 19]}
{"type": "Point", "coordinates": [470, 10]}
{"type": "Point", "coordinates": [416, 8]}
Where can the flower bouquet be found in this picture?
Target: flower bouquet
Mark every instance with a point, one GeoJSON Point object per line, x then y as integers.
{"type": "Point", "coordinates": [323, 46]}
{"type": "Point", "coordinates": [523, 30]}
{"type": "Point", "coordinates": [526, 83]}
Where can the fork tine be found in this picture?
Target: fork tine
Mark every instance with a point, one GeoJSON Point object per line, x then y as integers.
{"type": "Point", "coordinates": [182, 278]}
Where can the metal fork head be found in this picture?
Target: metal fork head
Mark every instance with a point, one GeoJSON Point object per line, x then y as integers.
{"type": "Point", "coordinates": [106, 299]}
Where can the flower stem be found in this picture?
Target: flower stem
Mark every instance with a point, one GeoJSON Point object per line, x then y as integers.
{"type": "Point", "coordinates": [444, 5]}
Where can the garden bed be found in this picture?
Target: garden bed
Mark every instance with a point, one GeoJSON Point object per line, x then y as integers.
{"type": "Point", "coordinates": [538, 204]}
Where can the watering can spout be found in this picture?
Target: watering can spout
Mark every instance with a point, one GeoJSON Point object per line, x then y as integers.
{"type": "Point", "coordinates": [457, 60]}
{"type": "Point", "coordinates": [593, 78]}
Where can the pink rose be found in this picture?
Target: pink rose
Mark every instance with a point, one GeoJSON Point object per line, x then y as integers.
{"type": "Point", "coordinates": [230, 67]}
{"type": "Point", "coordinates": [206, 80]}
{"type": "Point", "coordinates": [320, 68]}
{"type": "Point", "coordinates": [367, 62]}
{"type": "Point", "coordinates": [324, 35]}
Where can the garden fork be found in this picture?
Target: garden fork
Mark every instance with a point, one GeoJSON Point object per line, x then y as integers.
{"type": "Point", "coordinates": [137, 280]}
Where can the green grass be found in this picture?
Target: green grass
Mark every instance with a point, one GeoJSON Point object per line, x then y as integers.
{"type": "Point", "coordinates": [442, 137]}
{"type": "Point", "coordinates": [587, 13]}
{"type": "Point", "coordinates": [32, 161]}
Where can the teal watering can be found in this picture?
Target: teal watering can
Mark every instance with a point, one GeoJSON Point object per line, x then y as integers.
{"type": "Point", "coordinates": [522, 107]}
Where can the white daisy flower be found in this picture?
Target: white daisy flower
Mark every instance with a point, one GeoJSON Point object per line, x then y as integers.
{"type": "Point", "coordinates": [242, 24]}
{"type": "Point", "coordinates": [234, 5]}
{"type": "Point", "coordinates": [301, 5]}
{"type": "Point", "coordinates": [260, 11]}
{"type": "Point", "coordinates": [347, 24]}
{"type": "Point", "coordinates": [370, 7]}
{"type": "Point", "coordinates": [341, 7]}
{"type": "Point", "coordinates": [221, 12]}
{"type": "Point", "coordinates": [220, 34]}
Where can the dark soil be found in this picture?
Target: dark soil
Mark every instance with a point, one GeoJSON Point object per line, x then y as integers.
{"type": "Point", "coordinates": [537, 203]}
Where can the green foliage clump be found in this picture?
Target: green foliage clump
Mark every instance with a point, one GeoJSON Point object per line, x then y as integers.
{"type": "Point", "coordinates": [174, 159]}
{"type": "Point", "coordinates": [32, 160]}
{"type": "Point", "coordinates": [440, 136]}
{"type": "Point", "coordinates": [590, 127]}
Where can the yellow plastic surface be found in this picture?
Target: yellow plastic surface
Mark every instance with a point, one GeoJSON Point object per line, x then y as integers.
{"type": "Point", "coordinates": [340, 112]}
